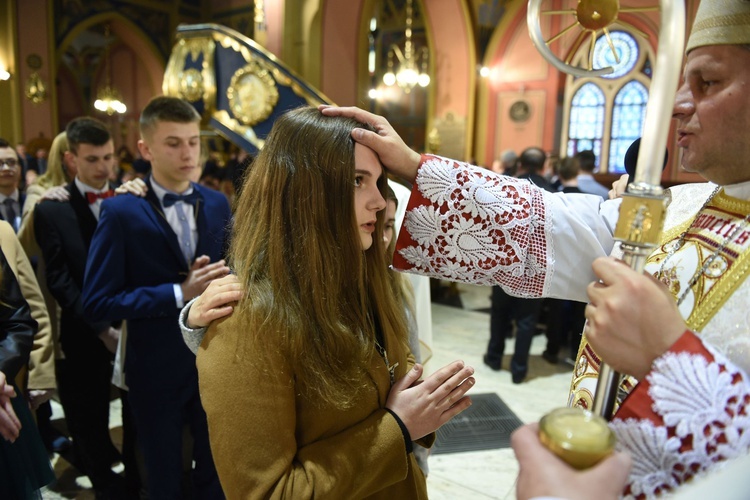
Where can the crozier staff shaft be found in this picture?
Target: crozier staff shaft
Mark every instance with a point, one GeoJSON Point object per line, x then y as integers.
{"type": "Point", "coordinates": [644, 205]}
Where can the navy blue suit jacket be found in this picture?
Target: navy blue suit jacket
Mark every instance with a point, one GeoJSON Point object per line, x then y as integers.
{"type": "Point", "coordinates": [133, 264]}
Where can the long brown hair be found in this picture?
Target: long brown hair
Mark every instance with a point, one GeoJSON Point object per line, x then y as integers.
{"type": "Point", "coordinates": [296, 249]}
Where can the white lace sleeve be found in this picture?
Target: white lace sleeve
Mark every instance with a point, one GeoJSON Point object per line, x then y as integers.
{"type": "Point", "coordinates": [469, 224]}
{"type": "Point", "coordinates": [694, 414]}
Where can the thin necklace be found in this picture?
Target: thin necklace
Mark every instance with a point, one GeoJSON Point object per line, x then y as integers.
{"type": "Point", "coordinates": [381, 349]}
{"type": "Point", "coordinates": [707, 263]}
{"type": "Point", "coordinates": [391, 367]}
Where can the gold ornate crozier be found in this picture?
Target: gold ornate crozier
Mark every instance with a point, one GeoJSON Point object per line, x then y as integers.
{"type": "Point", "coordinates": [643, 206]}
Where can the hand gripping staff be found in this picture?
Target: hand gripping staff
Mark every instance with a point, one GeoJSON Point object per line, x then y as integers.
{"type": "Point", "coordinates": [644, 204]}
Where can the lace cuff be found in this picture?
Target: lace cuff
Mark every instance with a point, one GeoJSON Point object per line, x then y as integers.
{"type": "Point", "coordinates": [192, 336]}
{"type": "Point", "coordinates": [691, 412]}
{"type": "Point", "coordinates": [467, 224]}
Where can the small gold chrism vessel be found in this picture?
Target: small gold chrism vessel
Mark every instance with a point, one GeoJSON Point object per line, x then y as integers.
{"type": "Point", "coordinates": [579, 437]}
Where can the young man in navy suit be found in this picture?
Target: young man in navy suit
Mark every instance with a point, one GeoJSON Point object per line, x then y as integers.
{"type": "Point", "coordinates": [148, 257]}
{"type": "Point", "coordinates": [64, 230]}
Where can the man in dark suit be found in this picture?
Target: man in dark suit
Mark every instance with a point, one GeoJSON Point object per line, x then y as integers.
{"type": "Point", "coordinates": [64, 231]}
{"type": "Point", "coordinates": [11, 199]}
{"type": "Point", "coordinates": [506, 307]}
{"type": "Point", "coordinates": [149, 256]}
{"type": "Point", "coordinates": [39, 162]}
{"type": "Point", "coordinates": [24, 157]}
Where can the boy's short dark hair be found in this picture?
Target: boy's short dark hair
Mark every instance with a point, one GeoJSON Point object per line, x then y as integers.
{"type": "Point", "coordinates": [5, 144]}
{"type": "Point", "coordinates": [166, 109]}
{"type": "Point", "coordinates": [586, 160]}
{"type": "Point", "coordinates": [86, 130]}
{"type": "Point", "coordinates": [567, 169]}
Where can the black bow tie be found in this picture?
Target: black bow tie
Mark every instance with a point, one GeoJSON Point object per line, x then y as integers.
{"type": "Point", "coordinates": [171, 198]}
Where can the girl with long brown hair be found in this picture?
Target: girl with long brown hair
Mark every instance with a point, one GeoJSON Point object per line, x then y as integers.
{"type": "Point", "coordinates": [309, 386]}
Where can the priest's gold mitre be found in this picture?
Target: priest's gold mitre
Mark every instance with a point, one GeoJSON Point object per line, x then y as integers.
{"type": "Point", "coordinates": [720, 22]}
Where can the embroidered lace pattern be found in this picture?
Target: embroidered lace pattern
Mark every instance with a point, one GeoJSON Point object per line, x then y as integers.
{"type": "Point", "coordinates": [478, 229]}
{"type": "Point", "coordinates": [728, 330]}
{"type": "Point", "coordinates": [705, 409]}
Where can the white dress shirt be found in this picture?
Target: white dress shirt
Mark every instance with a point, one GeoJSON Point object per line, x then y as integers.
{"type": "Point", "coordinates": [173, 218]}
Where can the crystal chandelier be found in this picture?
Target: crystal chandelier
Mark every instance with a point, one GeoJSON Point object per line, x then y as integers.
{"type": "Point", "coordinates": [412, 64]}
{"type": "Point", "coordinates": [108, 98]}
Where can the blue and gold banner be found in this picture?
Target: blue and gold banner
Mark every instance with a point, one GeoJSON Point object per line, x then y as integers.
{"type": "Point", "coordinates": [236, 85]}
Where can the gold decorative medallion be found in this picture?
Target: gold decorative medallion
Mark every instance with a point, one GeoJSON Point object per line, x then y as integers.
{"type": "Point", "coordinates": [196, 83]}
{"type": "Point", "coordinates": [252, 94]}
{"type": "Point", "coordinates": [191, 85]}
{"type": "Point", "coordinates": [520, 111]}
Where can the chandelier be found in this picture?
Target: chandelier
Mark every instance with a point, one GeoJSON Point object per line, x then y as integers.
{"type": "Point", "coordinates": [108, 98]}
{"type": "Point", "coordinates": [412, 64]}
{"type": "Point", "coordinates": [35, 89]}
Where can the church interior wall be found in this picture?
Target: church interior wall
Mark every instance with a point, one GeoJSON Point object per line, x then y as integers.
{"type": "Point", "coordinates": [321, 40]}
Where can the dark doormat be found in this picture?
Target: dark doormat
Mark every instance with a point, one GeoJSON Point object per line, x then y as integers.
{"type": "Point", "coordinates": [485, 425]}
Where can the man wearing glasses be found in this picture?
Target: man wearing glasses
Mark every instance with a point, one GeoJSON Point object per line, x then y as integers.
{"type": "Point", "coordinates": [11, 199]}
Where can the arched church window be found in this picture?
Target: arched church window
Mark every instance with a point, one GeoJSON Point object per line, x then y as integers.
{"type": "Point", "coordinates": [627, 122]}
{"type": "Point", "coordinates": [586, 120]}
{"type": "Point", "coordinates": [606, 114]}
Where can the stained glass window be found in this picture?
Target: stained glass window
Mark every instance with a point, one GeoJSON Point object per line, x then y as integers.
{"type": "Point", "coordinates": [586, 120]}
{"type": "Point", "coordinates": [616, 107]}
{"type": "Point", "coordinates": [624, 46]}
{"type": "Point", "coordinates": [627, 122]}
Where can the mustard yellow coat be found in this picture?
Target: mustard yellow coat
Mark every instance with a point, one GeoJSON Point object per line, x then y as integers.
{"type": "Point", "coordinates": [41, 366]}
{"type": "Point", "coordinates": [268, 441]}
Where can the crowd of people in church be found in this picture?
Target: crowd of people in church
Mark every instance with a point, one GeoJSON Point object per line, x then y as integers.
{"type": "Point", "coordinates": [74, 350]}
{"type": "Point", "coordinates": [59, 224]}
{"type": "Point", "coordinates": [522, 318]}
{"type": "Point", "coordinates": [102, 308]}
{"type": "Point", "coordinates": [268, 351]}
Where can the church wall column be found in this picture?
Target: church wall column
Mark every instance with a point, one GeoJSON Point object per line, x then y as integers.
{"type": "Point", "coordinates": [10, 118]}
{"type": "Point", "coordinates": [339, 51]}
{"type": "Point", "coordinates": [36, 44]}
{"type": "Point", "coordinates": [454, 65]}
